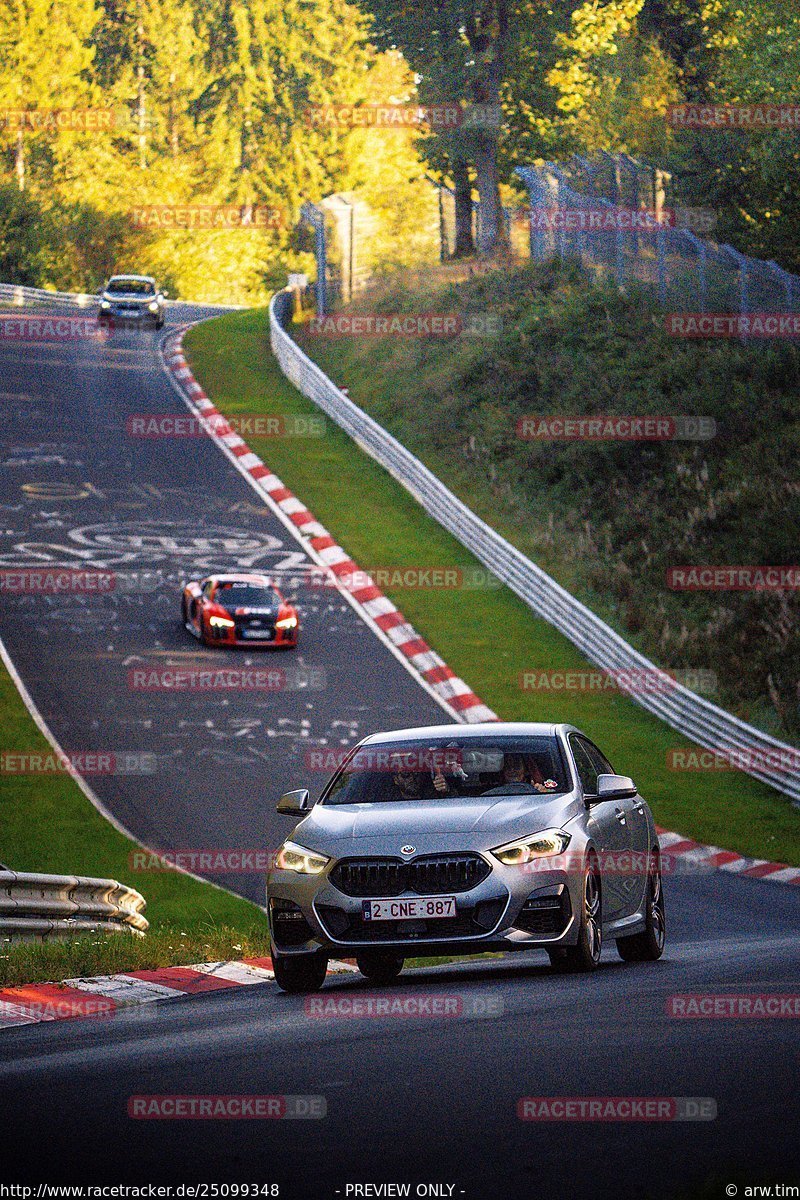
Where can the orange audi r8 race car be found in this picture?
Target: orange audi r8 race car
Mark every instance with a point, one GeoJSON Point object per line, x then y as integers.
{"type": "Point", "coordinates": [239, 610]}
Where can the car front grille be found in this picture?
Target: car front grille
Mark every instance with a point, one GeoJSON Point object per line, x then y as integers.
{"type": "Point", "coordinates": [259, 627]}
{"type": "Point", "coordinates": [428, 876]}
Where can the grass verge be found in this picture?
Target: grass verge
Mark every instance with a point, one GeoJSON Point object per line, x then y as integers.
{"type": "Point", "coordinates": [48, 825]}
{"type": "Point", "coordinates": [487, 636]}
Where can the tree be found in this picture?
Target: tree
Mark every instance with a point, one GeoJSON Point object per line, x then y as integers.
{"type": "Point", "coordinates": [44, 59]}
{"type": "Point", "coordinates": [463, 51]}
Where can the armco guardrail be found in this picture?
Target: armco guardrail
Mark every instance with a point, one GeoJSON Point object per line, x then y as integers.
{"type": "Point", "coordinates": [762, 756]}
{"type": "Point", "coordinates": [39, 907]}
{"type": "Point", "coordinates": [16, 294]}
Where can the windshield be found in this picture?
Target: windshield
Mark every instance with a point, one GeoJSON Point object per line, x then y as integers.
{"type": "Point", "coordinates": [455, 767]}
{"type": "Point", "coordinates": [131, 287]}
{"type": "Point", "coordinates": [247, 595]}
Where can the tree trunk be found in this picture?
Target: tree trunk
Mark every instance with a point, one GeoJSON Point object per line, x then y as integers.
{"type": "Point", "coordinates": [492, 235]}
{"type": "Point", "coordinates": [462, 187]}
{"type": "Point", "coordinates": [19, 163]}
{"type": "Point", "coordinates": [141, 100]}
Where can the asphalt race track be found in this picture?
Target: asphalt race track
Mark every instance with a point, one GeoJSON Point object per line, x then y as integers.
{"type": "Point", "coordinates": [79, 490]}
{"type": "Point", "coordinates": [430, 1099]}
{"type": "Point", "coordinates": [409, 1100]}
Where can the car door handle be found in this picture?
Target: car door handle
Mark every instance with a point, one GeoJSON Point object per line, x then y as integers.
{"type": "Point", "coordinates": [620, 816]}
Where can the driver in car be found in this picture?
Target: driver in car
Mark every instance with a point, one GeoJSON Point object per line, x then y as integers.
{"type": "Point", "coordinates": [516, 779]}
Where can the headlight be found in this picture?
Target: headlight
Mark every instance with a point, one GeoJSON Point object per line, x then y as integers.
{"type": "Point", "coordinates": [292, 857]}
{"type": "Point", "coordinates": [541, 845]}
{"type": "Point", "coordinates": [105, 304]}
{"type": "Point", "coordinates": [221, 622]}
{"type": "Point", "coordinates": [286, 623]}
{"type": "Point", "coordinates": [153, 306]}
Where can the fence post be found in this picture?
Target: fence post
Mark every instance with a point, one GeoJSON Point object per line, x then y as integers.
{"type": "Point", "coordinates": [741, 264]}
{"type": "Point", "coordinates": [534, 186]}
{"type": "Point", "coordinates": [785, 279]}
{"type": "Point", "coordinates": [316, 219]}
{"type": "Point", "coordinates": [443, 246]}
{"type": "Point", "coordinates": [702, 259]}
{"type": "Point", "coordinates": [661, 259]}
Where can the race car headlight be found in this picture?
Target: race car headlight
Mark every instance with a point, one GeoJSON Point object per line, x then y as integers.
{"type": "Point", "coordinates": [105, 304]}
{"type": "Point", "coordinates": [221, 622]}
{"type": "Point", "coordinates": [541, 845]}
{"type": "Point", "coordinates": [286, 623]}
{"type": "Point", "coordinates": [292, 857]}
{"type": "Point", "coordinates": [153, 306]}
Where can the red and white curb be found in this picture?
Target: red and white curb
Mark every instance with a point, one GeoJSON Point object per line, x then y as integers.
{"type": "Point", "coordinates": [104, 995]}
{"type": "Point", "coordinates": [698, 857]}
{"type": "Point", "coordinates": [381, 613]}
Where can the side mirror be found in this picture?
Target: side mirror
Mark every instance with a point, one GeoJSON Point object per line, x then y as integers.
{"type": "Point", "coordinates": [294, 802]}
{"type": "Point", "coordinates": [615, 787]}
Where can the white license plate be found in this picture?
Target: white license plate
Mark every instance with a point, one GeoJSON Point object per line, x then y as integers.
{"type": "Point", "coordinates": [432, 907]}
{"type": "Point", "coordinates": [263, 634]}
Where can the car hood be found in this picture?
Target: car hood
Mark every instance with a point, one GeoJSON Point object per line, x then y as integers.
{"type": "Point", "coordinates": [129, 298]}
{"type": "Point", "coordinates": [431, 826]}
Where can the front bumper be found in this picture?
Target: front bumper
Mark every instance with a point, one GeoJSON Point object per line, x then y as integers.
{"type": "Point", "coordinates": [138, 315]}
{"type": "Point", "coordinates": [283, 639]}
{"type": "Point", "coordinates": [509, 910]}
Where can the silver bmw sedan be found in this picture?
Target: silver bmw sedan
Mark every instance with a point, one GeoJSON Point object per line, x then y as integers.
{"type": "Point", "coordinates": [464, 839]}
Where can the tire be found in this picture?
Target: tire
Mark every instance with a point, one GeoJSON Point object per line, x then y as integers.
{"type": "Point", "coordinates": [299, 973]}
{"type": "Point", "coordinates": [648, 946]}
{"type": "Point", "coordinates": [380, 966]}
{"type": "Point", "coordinates": [585, 956]}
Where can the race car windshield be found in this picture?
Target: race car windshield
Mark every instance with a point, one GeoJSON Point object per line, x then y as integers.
{"type": "Point", "coordinates": [131, 287]}
{"type": "Point", "coordinates": [247, 595]}
{"type": "Point", "coordinates": [425, 771]}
